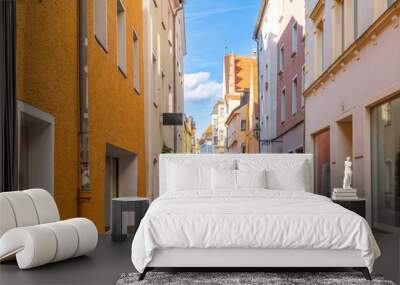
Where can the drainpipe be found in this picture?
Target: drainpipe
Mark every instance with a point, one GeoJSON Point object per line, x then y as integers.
{"type": "Point", "coordinates": [174, 74]}
{"type": "Point", "coordinates": [83, 97]}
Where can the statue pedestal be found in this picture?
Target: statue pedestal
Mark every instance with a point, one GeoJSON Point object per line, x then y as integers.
{"type": "Point", "coordinates": [344, 194]}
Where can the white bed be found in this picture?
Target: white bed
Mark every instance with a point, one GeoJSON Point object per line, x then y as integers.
{"type": "Point", "coordinates": [243, 227]}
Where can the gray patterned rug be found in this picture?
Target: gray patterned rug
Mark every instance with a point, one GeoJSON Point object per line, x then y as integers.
{"type": "Point", "coordinates": [229, 278]}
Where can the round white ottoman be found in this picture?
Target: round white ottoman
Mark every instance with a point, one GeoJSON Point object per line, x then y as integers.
{"type": "Point", "coordinates": [40, 244]}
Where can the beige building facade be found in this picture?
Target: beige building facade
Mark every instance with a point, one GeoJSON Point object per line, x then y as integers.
{"type": "Point", "coordinates": [164, 49]}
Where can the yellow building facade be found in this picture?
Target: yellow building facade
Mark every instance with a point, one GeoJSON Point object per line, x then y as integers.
{"type": "Point", "coordinates": [48, 86]}
{"type": "Point", "coordinates": [189, 131]}
{"type": "Point", "coordinates": [241, 98]}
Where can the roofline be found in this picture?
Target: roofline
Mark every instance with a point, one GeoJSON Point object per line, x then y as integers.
{"type": "Point", "coordinates": [260, 16]}
{"type": "Point", "coordinates": [233, 114]}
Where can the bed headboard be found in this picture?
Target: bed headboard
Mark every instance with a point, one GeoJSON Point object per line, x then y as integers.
{"type": "Point", "coordinates": [231, 159]}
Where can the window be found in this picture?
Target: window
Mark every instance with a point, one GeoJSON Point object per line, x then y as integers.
{"type": "Point", "coordinates": [283, 106]}
{"type": "Point", "coordinates": [303, 84]}
{"type": "Point", "coordinates": [294, 38]}
{"type": "Point", "coordinates": [121, 37]}
{"type": "Point", "coordinates": [317, 16]}
{"type": "Point", "coordinates": [380, 6]}
{"type": "Point", "coordinates": [281, 58]}
{"type": "Point", "coordinates": [281, 9]}
{"type": "Point", "coordinates": [243, 125]}
{"type": "Point", "coordinates": [294, 96]}
{"type": "Point", "coordinates": [355, 9]}
{"type": "Point", "coordinates": [170, 100]}
{"type": "Point", "coordinates": [319, 48]}
{"type": "Point", "coordinates": [243, 148]}
{"type": "Point", "coordinates": [385, 166]}
{"type": "Point", "coordinates": [136, 59]}
{"type": "Point", "coordinates": [100, 22]}
{"type": "Point", "coordinates": [164, 14]}
{"type": "Point", "coordinates": [386, 114]}
{"type": "Point", "coordinates": [215, 139]}
{"type": "Point", "coordinates": [266, 79]}
{"type": "Point", "coordinates": [155, 85]}
{"type": "Point", "coordinates": [339, 28]}
{"type": "Point", "coordinates": [350, 12]}
{"type": "Point", "coordinates": [262, 89]}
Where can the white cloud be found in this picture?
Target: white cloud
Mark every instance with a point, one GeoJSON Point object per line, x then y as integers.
{"type": "Point", "coordinates": [198, 86]}
{"type": "Point", "coordinates": [194, 79]}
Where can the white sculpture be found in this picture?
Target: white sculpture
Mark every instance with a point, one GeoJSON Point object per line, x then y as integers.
{"type": "Point", "coordinates": [347, 174]}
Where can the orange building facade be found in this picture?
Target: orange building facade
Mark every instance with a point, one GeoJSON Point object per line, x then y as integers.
{"type": "Point", "coordinates": [49, 103]}
{"type": "Point", "coordinates": [241, 98]}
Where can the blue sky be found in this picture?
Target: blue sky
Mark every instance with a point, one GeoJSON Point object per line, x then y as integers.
{"type": "Point", "coordinates": [212, 25]}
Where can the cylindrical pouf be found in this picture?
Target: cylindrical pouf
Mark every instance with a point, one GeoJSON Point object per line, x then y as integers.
{"type": "Point", "coordinates": [45, 205]}
{"type": "Point", "coordinates": [87, 235]}
{"type": "Point", "coordinates": [34, 246]}
{"type": "Point", "coordinates": [67, 240]}
{"type": "Point", "coordinates": [7, 218]}
{"type": "Point", "coordinates": [23, 208]}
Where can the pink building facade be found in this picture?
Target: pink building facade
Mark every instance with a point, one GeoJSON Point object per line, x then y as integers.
{"type": "Point", "coordinates": [352, 99]}
{"type": "Point", "coordinates": [290, 100]}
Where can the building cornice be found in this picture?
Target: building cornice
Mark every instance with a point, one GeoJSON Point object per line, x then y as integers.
{"type": "Point", "coordinates": [317, 9]}
{"type": "Point", "coordinates": [391, 15]}
{"type": "Point", "coordinates": [260, 17]}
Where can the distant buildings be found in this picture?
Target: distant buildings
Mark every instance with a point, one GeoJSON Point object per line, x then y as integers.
{"type": "Point", "coordinates": [205, 142]}
{"type": "Point", "coordinates": [218, 129]}
{"type": "Point", "coordinates": [164, 49]}
{"type": "Point", "coordinates": [274, 17]}
{"type": "Point", "coordinates": [242, 122]}
{"type": "Point", "coordinates": [237, 76]}
{"type": "Point", "coordinates": [352, 100]}
{"type": "Point", "coordinates": [241, 100]}
{"type": "Point", "coordinates": [236, 124]}
{"type": "Point", "coordinates": [190, 142]}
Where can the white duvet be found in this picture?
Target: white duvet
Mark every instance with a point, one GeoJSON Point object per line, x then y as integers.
{"type": "Point", "coordinates": [250, 219]}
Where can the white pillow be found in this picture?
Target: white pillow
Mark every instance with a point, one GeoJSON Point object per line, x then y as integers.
{"type": "Point", "coordinates": [251, 178]}
{"type": "Point", "coordinates": [223, 179]}
{"type": "Point", "coordinates": [182, 177]}
{"type": "Point", "coordinates": [293, 178]}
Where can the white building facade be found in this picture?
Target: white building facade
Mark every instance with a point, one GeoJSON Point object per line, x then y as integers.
{"type": "Point", "coordinates": [218, 117]}
{"type": "Point", "coordinates": [164, 49]}
{"type": "Point", "coordinates": [272, 19]}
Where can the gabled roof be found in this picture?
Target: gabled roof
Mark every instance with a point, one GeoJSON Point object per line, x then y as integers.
{"type": "Point", "coordinates": [233, 114]}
